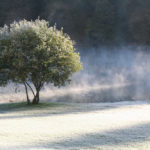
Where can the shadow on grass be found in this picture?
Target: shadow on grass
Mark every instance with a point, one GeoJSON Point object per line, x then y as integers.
{"type": "Point", "coordinates": [23, 106]}
{"type": "Point", "coordinates": [127, 137]}
{"type": "Point", "coordinates": [58, 108]}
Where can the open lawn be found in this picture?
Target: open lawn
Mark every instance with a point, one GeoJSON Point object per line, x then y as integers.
{"type": "Point", "coordinates": [75, 126]}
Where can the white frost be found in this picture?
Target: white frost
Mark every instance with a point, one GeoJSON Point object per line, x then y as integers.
{"type": "Point", "coordinates": [106, 126]}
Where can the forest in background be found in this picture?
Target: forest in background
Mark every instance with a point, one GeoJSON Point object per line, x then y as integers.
{"type": "Point", "coordinates": [88, 22]}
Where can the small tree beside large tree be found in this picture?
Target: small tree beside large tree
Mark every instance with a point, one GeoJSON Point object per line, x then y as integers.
{"type": "Point", "coordinates": [34, 54]}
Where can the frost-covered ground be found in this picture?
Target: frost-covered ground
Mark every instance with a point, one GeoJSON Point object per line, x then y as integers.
{"type": "Point", "coordinates": [104, 126]}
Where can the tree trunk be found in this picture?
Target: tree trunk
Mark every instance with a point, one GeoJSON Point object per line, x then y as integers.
{"type": "Point", "coordinates": [36, 98]}
{"type": "Point", "coordinates": [26, 89]}
{"type": "Point", "coordinates": [30, 88]}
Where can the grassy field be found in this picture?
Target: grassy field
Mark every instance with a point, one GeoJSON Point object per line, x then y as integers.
{"type": "Point", "coordinates": [75, 126]}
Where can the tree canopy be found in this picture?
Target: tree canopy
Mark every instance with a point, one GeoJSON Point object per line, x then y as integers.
{"type": "Point", "coordinates": [34, 53]}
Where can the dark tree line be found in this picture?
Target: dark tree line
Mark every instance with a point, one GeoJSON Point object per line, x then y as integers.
{"type": "Point", "coordinates": [93, 22]}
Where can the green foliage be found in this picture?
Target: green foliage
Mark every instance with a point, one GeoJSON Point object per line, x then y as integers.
{"type": "Point", "coordinates": [38, 54]}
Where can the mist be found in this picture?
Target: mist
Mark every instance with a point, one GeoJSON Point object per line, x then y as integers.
{"type": "Point", "coordinates": [108, 75]}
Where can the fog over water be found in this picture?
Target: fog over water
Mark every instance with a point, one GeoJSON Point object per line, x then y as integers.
{"type": "Point", "coordinates": [108, 75]}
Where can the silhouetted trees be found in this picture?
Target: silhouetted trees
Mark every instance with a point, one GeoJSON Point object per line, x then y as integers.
{"type": "Point", "coordinates": [94, 22]}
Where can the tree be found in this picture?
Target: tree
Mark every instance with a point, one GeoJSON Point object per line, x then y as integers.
{"type": "Point", "coordinates": [102, 27]}
{"type": "Point", "coordinates": [139, 21]}
{"type": "Point", "coordinates": [36, 54]}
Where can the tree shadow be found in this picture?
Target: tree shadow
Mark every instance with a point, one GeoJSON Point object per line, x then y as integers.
{"type": "Point", "coordinates": [22, 110]}
{"type": "Point", "coordinates": [124, 137]}
{"type": "Point", "coordinates": [23, 106]}
{"type": "Point", "coordinates": [119, 137]}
